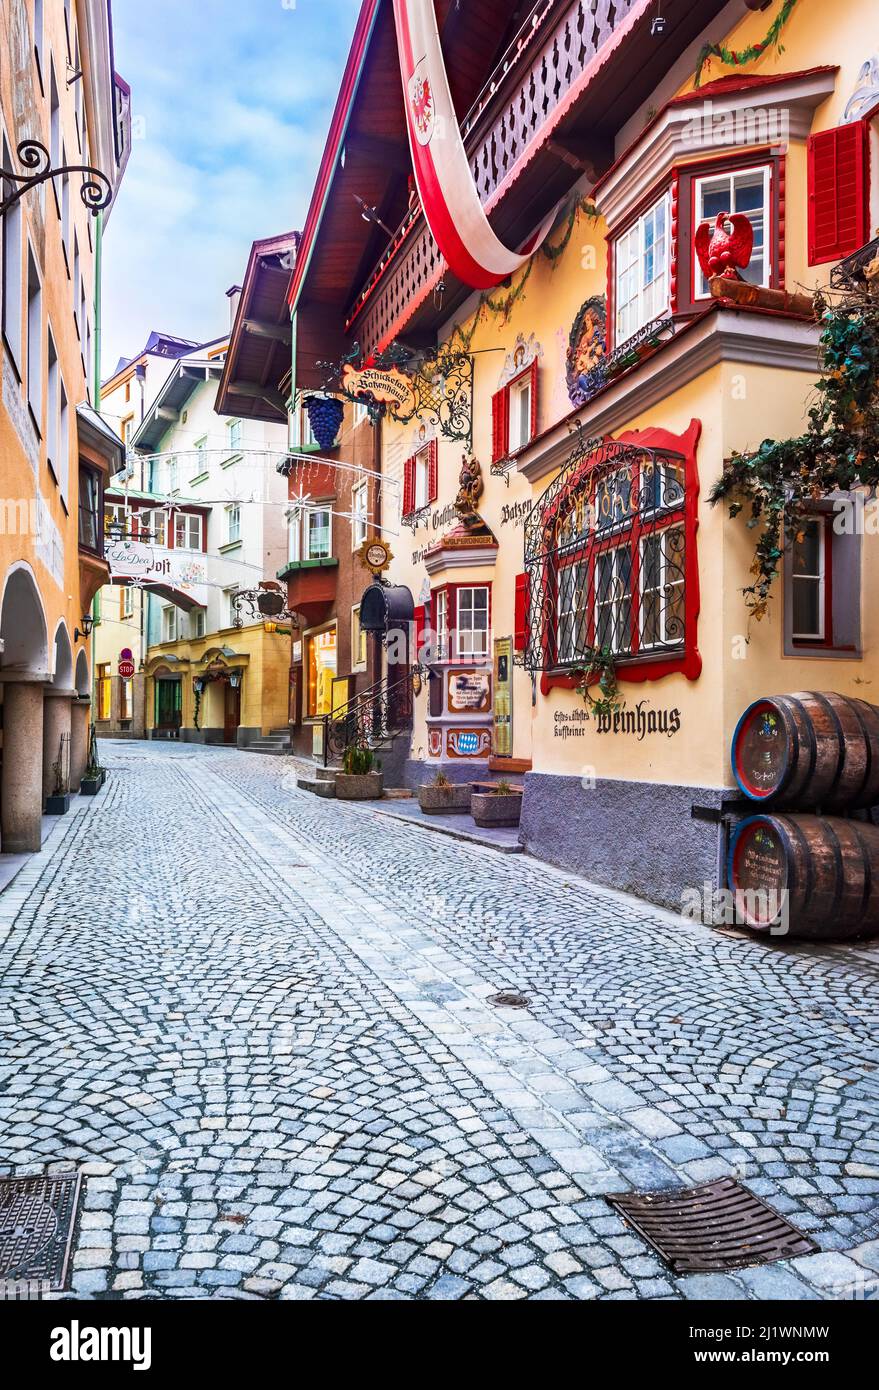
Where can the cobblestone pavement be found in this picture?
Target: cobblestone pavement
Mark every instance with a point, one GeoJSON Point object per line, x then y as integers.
{"type": "Point", "coordinates": [259, 1023]}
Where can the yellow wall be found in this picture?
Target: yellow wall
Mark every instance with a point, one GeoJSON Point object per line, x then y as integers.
{"type": "Point", "coordinates": [264, 690]}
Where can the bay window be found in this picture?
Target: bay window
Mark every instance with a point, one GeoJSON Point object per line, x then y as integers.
{"type": "Point", "coordinates": [310, 534]}
{"type": "Point", "coordinates": [442, 625]}
{"type": "Point", "coordinates": [641, 271]}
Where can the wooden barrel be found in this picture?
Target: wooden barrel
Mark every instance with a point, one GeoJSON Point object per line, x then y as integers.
{"type": "Point", "coordinates": [816, 876]}
{"type": "Point", "coordinates": [814, 750]}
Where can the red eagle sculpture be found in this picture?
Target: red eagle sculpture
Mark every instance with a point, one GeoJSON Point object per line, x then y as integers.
{"type": "Point", "coordinates": [725, 248]}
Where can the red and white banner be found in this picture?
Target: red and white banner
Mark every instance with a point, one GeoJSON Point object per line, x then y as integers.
{"type": "Point", "coordinates": [442, 170]}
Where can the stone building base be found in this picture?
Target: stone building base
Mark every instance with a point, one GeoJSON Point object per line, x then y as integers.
{"type": "Point", "coordinates": [636, 837]}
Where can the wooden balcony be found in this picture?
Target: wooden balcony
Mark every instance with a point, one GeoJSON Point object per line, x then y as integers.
{"type": "Point", "coordinates": [548, 114]}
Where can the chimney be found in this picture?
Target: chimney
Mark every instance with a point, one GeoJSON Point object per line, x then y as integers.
{"type": "Point", "coordinates": [233, 295]}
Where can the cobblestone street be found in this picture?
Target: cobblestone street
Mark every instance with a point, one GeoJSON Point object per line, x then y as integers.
{"type": "Point", "coordinates": [292, 1084]}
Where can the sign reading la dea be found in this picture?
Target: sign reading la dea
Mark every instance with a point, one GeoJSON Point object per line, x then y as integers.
{"type": "Point", "coordinates": [388, 387]}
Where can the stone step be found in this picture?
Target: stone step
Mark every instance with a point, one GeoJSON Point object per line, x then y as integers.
{"type": "Point", "coordinates": [319, 787]}
{"type": "Point", "coordinates": [326, 774]}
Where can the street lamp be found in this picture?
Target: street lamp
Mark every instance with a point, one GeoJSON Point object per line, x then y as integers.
{"type": "Point", "coordinates": [88, 623]}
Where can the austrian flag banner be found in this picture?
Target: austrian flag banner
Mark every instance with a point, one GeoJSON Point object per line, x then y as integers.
{"type": "Point", "coordinates": [442, 170]}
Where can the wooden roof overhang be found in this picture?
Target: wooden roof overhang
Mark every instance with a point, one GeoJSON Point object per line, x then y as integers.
{"type": "Point", "coordinates": [260, 344]}
{"type": "Point", "coordinates": [488, 45]}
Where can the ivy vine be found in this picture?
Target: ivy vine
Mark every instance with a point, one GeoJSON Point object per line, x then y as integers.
{"type": "Point", "coordinates": [501, 306]}
{"type": "Point", "coordinates": [738, 58]}
{"type": "Point", "coordinates": [601, 673]}
{"type": "Point", "coordinates": [777, 484]}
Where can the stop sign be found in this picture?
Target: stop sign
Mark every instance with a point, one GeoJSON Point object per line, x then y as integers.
{"type": "Point", "coordinates": [126, 669]}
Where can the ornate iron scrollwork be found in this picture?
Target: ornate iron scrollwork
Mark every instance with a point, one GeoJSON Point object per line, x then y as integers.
{"type": "Point", "coordinates": [442, 388]}
{"type": "Point", "coordinates": [372, 718]}
{"type": "Point", "coordinates": [264, 603]}
{"type": "Point", "coordinates": [646, 340]}
{"type": "Point", "coordinates": [850, 274]}
{"type": "Point", "coordinates": [96, 190]}
{"type": "Point", "coordinates": [605, 555]}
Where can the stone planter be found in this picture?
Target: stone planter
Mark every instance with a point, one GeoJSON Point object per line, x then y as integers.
{"type": "Point", "coordinates": [490, 810]}
{"type": "Point", "coordinates": [90, 786]}
{"type": "Point", "coordinates": [58, 805]}
{"type": "Point", "coordinates": [453, 800]}
{"type": "Point", "coordinates": [367, 786]}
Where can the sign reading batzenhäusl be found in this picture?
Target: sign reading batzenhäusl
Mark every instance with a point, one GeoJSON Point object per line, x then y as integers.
{"type": "Point", "coordinates": [388, 387]}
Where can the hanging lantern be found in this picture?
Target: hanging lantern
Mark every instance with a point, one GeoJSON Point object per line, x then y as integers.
{"type": "Point", "coordinates": [325, 417]}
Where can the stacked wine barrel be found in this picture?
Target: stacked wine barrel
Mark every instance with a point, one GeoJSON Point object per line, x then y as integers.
{"type": "Point", "coordinates": [807, 755]}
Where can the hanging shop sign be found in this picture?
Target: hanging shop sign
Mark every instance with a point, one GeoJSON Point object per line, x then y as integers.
{"type": "Point", "coordinates": [387, 387]}
{"type": "Point", "coordinates": [136, 562]}
{"type": "Point", "coordinates": [503, 697]}
{"type": "Point", "coordinates": [374, 555]}
{"type": "Point", "coordinates": [469, 692]}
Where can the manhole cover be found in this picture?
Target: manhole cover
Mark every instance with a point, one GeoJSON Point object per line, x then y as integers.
{"type": "Point", "coordinates": [720, 1225]}
{"type": "Point", "coordinates": [509, 999]}
{"type": "Point", "coordinates": [36, 1226]}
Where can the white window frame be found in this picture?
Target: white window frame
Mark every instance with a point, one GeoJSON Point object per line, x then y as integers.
{"type": "Point", "coordinates": [126, 607]}
{"type": "Point", "coordinates": [169, 623]}
{"type": "Point", "coordinates": [229, 600]}
{"type": "Point", "coordinates": [471, 650]}
{"type": "Point", "coordinates": [700, 287]}
{"type": "Point", "coordinates": [233, 524]}
{"type": "Point", "coordinates": [442, 624]}
{"type": "Point", "coordinates": [519, 392]}
{"type": "Point", "coordinates": [820, 578]}
{"type": "Point", "coordinates": [648, 307]}
{"type": "Point", "coordinates": [422, 479]}
{"type": "Point", "coordinates": [233, 442]}
{"type": "Point", "coordinates": [359, 514]}
{"type": "Point", "coordinates": [188, 523]}
{"type": "Point", "coordinates": [199, 622]}
{"type": "Point", "coordinates": [173, 474]}
{"type": "Point", "coordinates": [307, 515]}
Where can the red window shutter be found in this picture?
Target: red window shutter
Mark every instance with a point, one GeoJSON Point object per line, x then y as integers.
{"type": "Point", "coordinates": [419, 620]}
{"type": "Point", "coordinates": [500, 422]}
{"type": "Point", "coordinates": [432, 471]}
{"type": "Point", "coordinates": [520, 639]}
{"type": "Point", "coordinates": [534, 380]}
{"type": "Point", "coordinates": [838, 192]}
{"type": "Point", "coordinates": [408, 486]}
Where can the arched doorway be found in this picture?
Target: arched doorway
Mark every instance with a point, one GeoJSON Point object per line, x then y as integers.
{"type": "Point", "coordinates": [57, 724]}
{"type": "Point", "coordinates": [24, 671]}
{"type": "Point", "coordinates": [23, 630]}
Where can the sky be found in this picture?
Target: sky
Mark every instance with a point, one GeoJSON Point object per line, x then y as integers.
{"type": "Point", "coordinates": [231, 102]}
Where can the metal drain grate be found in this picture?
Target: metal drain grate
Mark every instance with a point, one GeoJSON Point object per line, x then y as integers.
{"type": "Point", "coordinates": [509, 999]}
{"type": "Point", "coordinates": [720, 1225]}
{"type": "Point", "coordinates": [36, 1228]}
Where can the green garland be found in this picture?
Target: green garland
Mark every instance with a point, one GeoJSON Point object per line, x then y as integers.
{"type": "Point", "coordinates": [601, 670]}
{"type": "Point", "coordinates": [739, 58]}
{"type": "Point", "coordinates": [501, 306]}
{"type": "Point", "coordinates": [781, 480]}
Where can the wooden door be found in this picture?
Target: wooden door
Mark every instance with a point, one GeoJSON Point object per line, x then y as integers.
{"type": "Point", "coordinates": [231, 712]}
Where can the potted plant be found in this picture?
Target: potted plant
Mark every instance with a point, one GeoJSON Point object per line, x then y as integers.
{"type": "Point", "coordinates": [496, 806]}
{"type": "Point", "coordinates": [58, 802]}
{"type": "Point", "coordinates": [325, 417]}
{"type": "Point", "coordinates": [95, 775]}
{"type": "Point", "coordinates": [361, 778]}
{"type": "Point", "coordinates": [442, 797]}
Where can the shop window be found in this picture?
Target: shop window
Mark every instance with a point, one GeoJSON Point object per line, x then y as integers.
{"type": "Point", "coordinates": [514, 413]}
{"type": "Point", "coordinates": [472, 622]}
{"type": "Point", "coordinates": [421, 479]}
{"type": "Point", "coordinates": [641, 257]}
{"type": "Point", "coordinates": [358, 641]}
{"type": "Point", "coordinates": [747, 191]}
{"type": "Point", "coordinates": [822, 588]}
{"type": "Point", "coordinates": [103, 690]}
{"type": "Point", "coordinates": [839, 192]}
{"type": "Point", "coordinates": [188, 530]}
{"type": "Point", "coordinates": [321, 670]}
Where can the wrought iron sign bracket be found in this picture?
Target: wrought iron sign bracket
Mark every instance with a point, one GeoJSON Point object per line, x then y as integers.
{"type": "Point", "coordinates": [96, 191]}
{"type": "Point", "coordinates": [442, 388]}
{"type": "Point", "coordinates": [265, 604]}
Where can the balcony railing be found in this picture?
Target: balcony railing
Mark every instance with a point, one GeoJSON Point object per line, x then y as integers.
{"type": "Point", "coordinates": [523, 95]}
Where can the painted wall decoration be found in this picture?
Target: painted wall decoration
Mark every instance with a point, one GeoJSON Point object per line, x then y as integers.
{"type": "Point", "coordinates": [468, 743]}
{"type": "Point", "coordinates": [469, 692]}
{"type": "Point", "coordinates": [586, 347]}
{"type": "Point", "coordinates": [435, 742]}
{"type": "Point", "coordinates": [524, 352]}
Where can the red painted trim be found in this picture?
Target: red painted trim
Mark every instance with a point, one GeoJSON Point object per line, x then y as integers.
{"type": "Point", "coordinates": [690, 660]}
{"type": "Point", "coordinates": [332, 149]}
{"type": "Point", "coordinates": [674, 247]}
{"type": "Point", "coordinates": [451, 591]}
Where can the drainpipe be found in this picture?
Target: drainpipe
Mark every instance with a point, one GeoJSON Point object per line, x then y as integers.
{"type": "Point", "coordinates": [99, 242]}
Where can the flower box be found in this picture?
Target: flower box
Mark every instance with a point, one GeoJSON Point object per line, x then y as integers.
{"type": "Point", "coordinates": [90, 786]}
{"type": "Point", "coordinates": [363, 786]}
{"type": "Point", "coordinates": [445, 801]}
{"type": "Point", "coordinates": [493, 809]}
